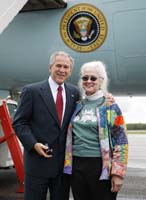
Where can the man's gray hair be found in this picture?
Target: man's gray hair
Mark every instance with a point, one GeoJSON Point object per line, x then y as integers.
{"type": "Point", "coordinates": [53, 56]}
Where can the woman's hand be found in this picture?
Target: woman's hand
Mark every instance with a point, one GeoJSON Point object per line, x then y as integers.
{"type": "Point", "coordinates": [116, 183]}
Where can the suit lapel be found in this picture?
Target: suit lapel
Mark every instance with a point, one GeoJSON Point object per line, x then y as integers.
{"type": "Point", "coordinates": [46, 94]}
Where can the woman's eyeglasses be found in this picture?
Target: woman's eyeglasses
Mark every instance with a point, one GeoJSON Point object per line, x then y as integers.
{"type": "Point", "coordinates": [92, 78]}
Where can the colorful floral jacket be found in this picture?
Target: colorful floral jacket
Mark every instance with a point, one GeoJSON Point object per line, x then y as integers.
{"type": "Point", "coordinates": [112, 138]}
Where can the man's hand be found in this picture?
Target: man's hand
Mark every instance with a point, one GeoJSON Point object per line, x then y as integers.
{"type": "Point", "coordinates": [110, 99]}
{"type": "Point", "coordinates": [42, 150]}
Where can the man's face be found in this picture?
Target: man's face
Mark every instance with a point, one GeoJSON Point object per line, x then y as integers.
{"type": "Point", "coordinates": [61, 69]}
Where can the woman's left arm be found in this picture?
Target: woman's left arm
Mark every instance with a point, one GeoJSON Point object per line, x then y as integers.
{"type": "Point", "coordinates": [119, 141]}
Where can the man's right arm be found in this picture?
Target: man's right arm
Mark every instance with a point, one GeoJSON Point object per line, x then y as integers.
{"type": "Point", "coordinates": [21, 120]}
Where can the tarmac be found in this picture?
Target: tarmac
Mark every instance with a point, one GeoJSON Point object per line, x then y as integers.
{"type": "Point", "coordinates": [134, 187]}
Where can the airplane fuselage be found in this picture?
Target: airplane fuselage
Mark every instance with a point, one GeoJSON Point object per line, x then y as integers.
{"type": "Point", "coordinates": [116, 36]}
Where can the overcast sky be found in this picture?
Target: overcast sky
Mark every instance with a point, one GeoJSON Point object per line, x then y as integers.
{"type": "Point", "coordinates": [133, 108]}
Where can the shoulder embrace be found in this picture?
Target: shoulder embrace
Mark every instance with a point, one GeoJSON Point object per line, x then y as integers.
{"type": "Point", "coordinates": [115, 107]}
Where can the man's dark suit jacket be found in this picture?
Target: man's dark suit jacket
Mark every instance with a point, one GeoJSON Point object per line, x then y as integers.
{"type": "Point", "coordinates": [36, 121]}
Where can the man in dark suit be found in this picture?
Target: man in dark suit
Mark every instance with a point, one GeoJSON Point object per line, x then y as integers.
{"type": "Point", "coordinates": [37, 126]}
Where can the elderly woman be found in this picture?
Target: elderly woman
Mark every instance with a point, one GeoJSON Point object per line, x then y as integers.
{"type": "Point", "coordinates": [96, 146]}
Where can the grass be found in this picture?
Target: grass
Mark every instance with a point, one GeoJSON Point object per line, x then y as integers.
{"type": "Point", "coordinates": [136, 131]}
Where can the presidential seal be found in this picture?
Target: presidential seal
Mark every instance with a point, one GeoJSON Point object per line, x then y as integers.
{"type": "Point", "coordinates": [83, 28]}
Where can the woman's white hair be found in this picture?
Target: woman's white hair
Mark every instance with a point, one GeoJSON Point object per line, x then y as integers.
{"type": "Point", "coordinates": [100, 68]}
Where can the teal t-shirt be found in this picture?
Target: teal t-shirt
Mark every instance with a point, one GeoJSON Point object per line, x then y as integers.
{"type": "Point", "coordinates": [85, 131]}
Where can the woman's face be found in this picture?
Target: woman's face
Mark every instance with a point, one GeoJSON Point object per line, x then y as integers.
{"type": "Point", "coordinates": [90, 81]}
